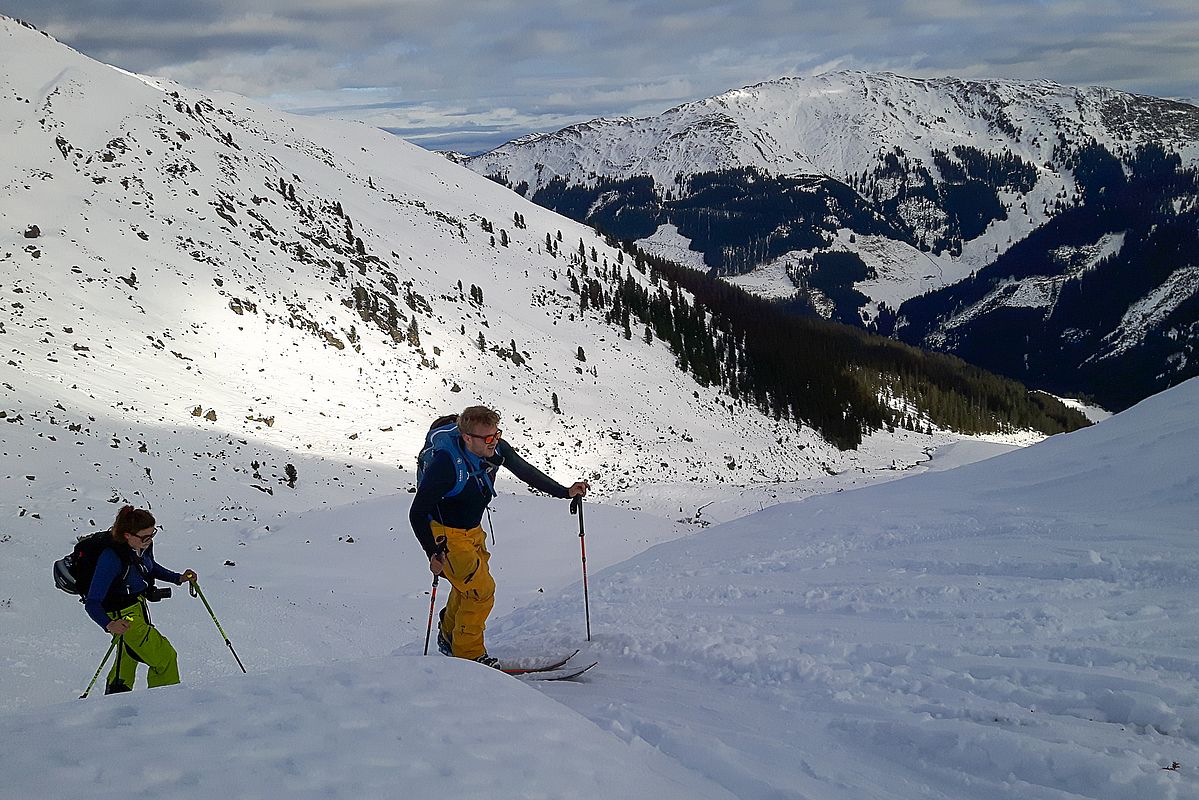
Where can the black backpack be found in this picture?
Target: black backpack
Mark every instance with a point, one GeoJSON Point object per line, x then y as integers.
{"type": "Point", "coordinates": [73, 572]}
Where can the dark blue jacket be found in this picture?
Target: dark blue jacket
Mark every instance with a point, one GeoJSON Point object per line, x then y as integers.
{"type": "Point", "coordinates": [465, 509]}
{"type": "Point", "coordinates": [109, 566]}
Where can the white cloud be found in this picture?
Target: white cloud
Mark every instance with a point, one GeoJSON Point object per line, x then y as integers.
{"type": "Point", "coordinates": [509, 67]}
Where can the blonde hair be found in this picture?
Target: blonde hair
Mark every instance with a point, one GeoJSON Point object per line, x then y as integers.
{"type": "Point", "coordinates": [477, 416]}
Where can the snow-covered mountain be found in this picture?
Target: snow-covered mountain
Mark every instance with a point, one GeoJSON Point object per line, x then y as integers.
{"type": "Point", "coordinates": [866, 190]}
{"type": "Point", "coordinates": [836, 124]}
{"type": "Point", "coordinates": [181, 264]}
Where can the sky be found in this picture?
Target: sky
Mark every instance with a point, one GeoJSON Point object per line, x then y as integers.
{"type": "Point", "coordinates": [470, 75]}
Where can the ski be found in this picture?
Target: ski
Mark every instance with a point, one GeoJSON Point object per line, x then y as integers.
{"type": "Point", "coordinates": [563, 674]}
{"type": "Point", "coordinates": [522, 667]}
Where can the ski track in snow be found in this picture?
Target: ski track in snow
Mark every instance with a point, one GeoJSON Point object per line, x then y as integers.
{"type": "Point", "coordinates": [952, 635]}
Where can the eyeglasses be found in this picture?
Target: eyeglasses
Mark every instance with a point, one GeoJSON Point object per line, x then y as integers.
{"type": "Point", "coordinates": [153, 533]}
{"type": "Point", "coordinates": [490, 438]}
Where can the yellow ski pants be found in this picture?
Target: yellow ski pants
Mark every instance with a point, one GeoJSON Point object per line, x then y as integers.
{"type": "Point", "coordinates": [473, 594]}
{"type": "Point", "coordinates": [142, 644]}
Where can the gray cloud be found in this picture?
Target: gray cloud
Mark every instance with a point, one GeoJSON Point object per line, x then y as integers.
{"type": "Point", "coordinates": [475, 73]}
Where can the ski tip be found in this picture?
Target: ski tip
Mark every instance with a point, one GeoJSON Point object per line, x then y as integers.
{"type": "Point", "coordinates": [564, 674]}
{"type": "Point", "coordinates": [525, 666]}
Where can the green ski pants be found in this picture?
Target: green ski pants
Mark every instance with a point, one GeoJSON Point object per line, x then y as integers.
{"type": "Point", "coordinates": [142, 644]}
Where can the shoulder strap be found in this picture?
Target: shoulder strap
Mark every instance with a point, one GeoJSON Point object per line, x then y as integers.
{"type": "Point", "coordinates": [466, 466]}
{"type": "Point", "coordinates": [105, 543]}
{"type": "Point", "coordinates": [446, 439]}
{"type": "Point", "coordinates": [117, 591]}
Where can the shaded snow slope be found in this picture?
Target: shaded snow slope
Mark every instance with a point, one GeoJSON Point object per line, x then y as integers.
{"type": "Point", "coordinates": [381, 728]}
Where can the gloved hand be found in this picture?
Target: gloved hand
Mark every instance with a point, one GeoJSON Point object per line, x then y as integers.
{"type": "Point", "coordinates": [188, 576]}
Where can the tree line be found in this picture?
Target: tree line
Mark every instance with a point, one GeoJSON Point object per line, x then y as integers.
{"type": "Point", "coordinates": [838, 380]}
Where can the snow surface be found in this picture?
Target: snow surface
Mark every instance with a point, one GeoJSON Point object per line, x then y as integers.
{"type": "Point", "coordinates": [1092, 413]}
{"type": "Point", "coordinates": [668, 243]}
{"type": "Point", "coordinates": [1022, 627]}
{"type": "Point", "coordinates": [1149, 312]}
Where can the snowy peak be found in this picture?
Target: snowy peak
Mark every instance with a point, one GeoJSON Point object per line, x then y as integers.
{"type": "Point", "coordinates": [7, 20]}
{"type": "Point", "coordinates": [836, 124]}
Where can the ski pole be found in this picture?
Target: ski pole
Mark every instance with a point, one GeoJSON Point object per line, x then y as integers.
{"type": "Point", "coordinates": [111, 646]}
{"type": "Point", "coordinates": [432, 603]}
{"type": "Point", "coordinates": [196, 592]}
{"type": "Point", "coordinates": [576, 507]}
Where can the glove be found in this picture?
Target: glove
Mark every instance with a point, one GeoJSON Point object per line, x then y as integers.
{"type": "Point", "coordinates": [188, 576]}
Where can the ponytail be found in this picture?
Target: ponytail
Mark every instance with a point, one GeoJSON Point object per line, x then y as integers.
{"type": "Point", "coordinates": [130, 520]}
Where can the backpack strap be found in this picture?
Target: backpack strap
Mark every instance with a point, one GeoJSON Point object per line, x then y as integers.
{"type": "Point", "coordinates": [481, 472]}
{"type": "Point", "coordinates": [114, 599]}
{"type": "Point", "coordinates": [117, 596]}
{"type": "Point", "coordinates": [448, 439]}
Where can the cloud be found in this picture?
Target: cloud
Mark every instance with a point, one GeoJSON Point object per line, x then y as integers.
{"type": "Point", "coordinates": [502, 68]}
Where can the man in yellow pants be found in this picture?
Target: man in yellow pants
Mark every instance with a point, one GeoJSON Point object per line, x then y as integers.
{"type": "Point", "coordinates": [454, 487]}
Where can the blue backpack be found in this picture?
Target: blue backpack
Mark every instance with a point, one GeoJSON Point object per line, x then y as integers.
{"type": "Point", "coordinates": [445, 436]}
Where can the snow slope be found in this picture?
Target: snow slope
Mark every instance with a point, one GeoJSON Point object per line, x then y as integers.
{"type": "Point", "coordinates": [371, 729]}
{"type": "Point", "coordinates": [1021, 628]}
{"type": "Point", "coordinates": [838, 123]}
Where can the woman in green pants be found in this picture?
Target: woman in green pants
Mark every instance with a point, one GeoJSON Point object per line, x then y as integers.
{"type": "Point", "coordinates": [116, 600]}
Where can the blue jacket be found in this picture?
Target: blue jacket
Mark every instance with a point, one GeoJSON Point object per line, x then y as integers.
{"type": "Point", "coordinates": [465, 509]}
{"type": "Point", "coordinates": [109, 566]}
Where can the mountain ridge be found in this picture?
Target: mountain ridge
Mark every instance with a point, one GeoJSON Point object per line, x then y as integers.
{"type": "Point", "coordinates": [883, 89]}
{"type": "Point", "coordinates": [859, 192]}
